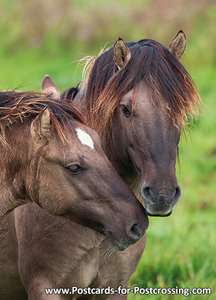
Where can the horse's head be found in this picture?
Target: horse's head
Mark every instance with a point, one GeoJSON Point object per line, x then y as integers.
{"type": "Point", "coordinates": [75, 179]}
{"type": "Point", "coordinates": [149, 140]}
{"type": "Point", "coordinates": [145, 96]}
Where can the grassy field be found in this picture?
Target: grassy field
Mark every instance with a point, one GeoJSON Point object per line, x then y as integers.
{"type": "Point", "coordinates": [180, 249]}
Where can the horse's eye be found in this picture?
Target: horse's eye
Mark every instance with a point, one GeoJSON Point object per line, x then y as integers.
{"type": "Point", "coordinates": [75, 169]}
{"type": "Point", "coordinates": [126, 111]}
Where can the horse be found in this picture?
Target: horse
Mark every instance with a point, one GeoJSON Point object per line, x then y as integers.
{"type": "Point", "coordinates": [138, 97]}
{"type": "Point", "coordinates": [41, 137]}
{"type": "Point", "coordinates": [61, 166]}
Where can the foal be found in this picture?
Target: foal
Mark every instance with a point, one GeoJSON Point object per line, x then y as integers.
{"type": "Point", "coordinates": [53, 251]}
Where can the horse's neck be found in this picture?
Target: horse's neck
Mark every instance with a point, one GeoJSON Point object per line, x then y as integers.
{"type": "Point", "coordinates": [79, 259]}
{"type": "Point", "coordinates": [11, 176]}
{"type": "Point", "coordinates": [7, 200]}
{"type": "Point", "coordinates": [11, 187]}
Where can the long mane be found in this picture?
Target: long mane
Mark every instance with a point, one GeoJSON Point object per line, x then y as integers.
{"type": "Point", "coordinates": [151, 62]}
{"type": "Point", "coordinates": [17, 107]}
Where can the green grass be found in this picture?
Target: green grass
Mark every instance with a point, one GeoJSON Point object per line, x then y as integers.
{"type": "Point", "coordinates": [28, 67]}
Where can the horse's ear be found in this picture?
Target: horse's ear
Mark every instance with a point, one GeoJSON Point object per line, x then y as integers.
{"type": "Point", "coordinates": [40, 127]}
{"type": "Point", "coordinates": [178, 44]}
{"type": "Point", "coordinates": [49, 88]}
{"type": "Point", "coordinates": [121, 53]}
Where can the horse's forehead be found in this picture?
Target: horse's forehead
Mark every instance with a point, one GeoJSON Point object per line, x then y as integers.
{"type": "Point", "coordinates": [77, 144]}
{"type": "Point", "coordinates": [139, 94]}
{"type": "Point", "coordinates": [81, 137]}
{"type": "Point", "coordinates": [77, 138]}
{"type": "Point", "coordinates": [84, 138]}
{"type": "Point", "coordinates": [144, 99]}
{"type": "Point", "coordinates": [149, 109]}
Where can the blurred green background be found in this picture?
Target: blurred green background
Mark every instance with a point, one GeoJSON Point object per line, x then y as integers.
{"type": "Point", "coordinates": [49, 37]}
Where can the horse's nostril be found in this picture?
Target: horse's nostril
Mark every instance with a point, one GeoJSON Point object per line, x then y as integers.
{"type": "Point", "coordinates": [147, 194]}
{"type": "Point", "coordinates": [146, 191]}
{"type": "Point", "coordinates": [135, 232]}
{"type": "Point", "coordinates": [177, 193]}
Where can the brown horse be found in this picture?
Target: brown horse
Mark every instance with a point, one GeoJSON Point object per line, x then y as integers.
{"type": "Point", "coordinates": [43, 146]}
{"type": "Point", "coordinates": [29, 127]}
{"type": "Point", "coordinates": [73, 175]}
{"type": "Point", "coordinates": [138, 96]}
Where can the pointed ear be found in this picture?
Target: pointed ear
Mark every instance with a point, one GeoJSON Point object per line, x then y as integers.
{"type": "Point", "coordinates": [40, 127]}
{"type": "Point", "coordinates": [121, 53]}
{"type": "Point", "coordinates": [178, 44]}
{"type": "Point", "coordinates": [49, 88]}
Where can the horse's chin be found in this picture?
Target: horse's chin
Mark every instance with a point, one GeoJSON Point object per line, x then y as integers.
{"type": "Point", "coordinates": [158, 214]}
{"type": "Point", "coordinates": [116, 244]}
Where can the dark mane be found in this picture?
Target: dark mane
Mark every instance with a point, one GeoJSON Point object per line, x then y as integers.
{"type": "Point", "coordinates": [70, 93]}
{"type": "Point", "coordinates": [161, 71]}
{"type": "Point", "coordinates": [16, 107]}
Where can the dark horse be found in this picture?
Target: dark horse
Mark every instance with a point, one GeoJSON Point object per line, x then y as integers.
{"type": "Point", "coordinates": [138, 96]}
